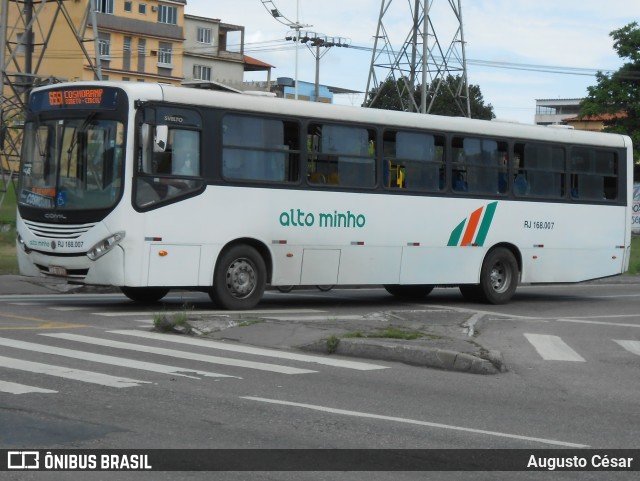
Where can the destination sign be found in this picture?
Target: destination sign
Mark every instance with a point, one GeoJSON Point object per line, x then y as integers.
{"type": "Point", "coordinates": [75, 98]}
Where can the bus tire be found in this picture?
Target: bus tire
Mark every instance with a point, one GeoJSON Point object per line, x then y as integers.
{"type": "Point", "coordinates": [409, 291]}
{"type": "Point", "coordinates": [498, 277]}
{"type": "Point", "coordinates": [239, 279]}
{"type": "Point", "coordinates": [144, 294]}
{"type": "Point", "coordinates": [325, 287]}
{"type": "Point", "coordinates": [285, 288]}
{"type": "Point", "coordinates": [471, 292]}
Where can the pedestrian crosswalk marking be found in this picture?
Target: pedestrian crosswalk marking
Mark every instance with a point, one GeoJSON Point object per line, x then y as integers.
{"type": "Point", "coordinates": [553, 348]}
{"type": "Point", "coordinates": [15, 388]}
{"type": "Point", "coordinates": [68, 373]}
{"type": "Point", "coordinates": [181, 354]}
{"type": "Point", "coordinates": [104, 359]}
{"type": "Point", "coordinates": [631, 346]}
{"type": "Point", "coordinates": [256, 351]}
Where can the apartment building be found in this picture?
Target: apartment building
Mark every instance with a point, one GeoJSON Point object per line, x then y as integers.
{"type": "Point", "coordinates": [214, 54]}
{"type": "Point", "coordinates": [140, 40]}
{"type": "Point", "coordinates": [137, 40]}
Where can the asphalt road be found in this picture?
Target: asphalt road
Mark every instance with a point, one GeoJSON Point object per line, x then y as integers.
{"type": "Point", "coordinates": [90, 376]}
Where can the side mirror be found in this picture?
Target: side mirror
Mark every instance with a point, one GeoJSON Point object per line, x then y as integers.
{"type": "Point", "coordinates": [160, 138]}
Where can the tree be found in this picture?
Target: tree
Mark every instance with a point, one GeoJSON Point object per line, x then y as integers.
{"type": "Point", "coordinates": [618, 93]}
{"type": "Point", "coordinates": [394, 95]}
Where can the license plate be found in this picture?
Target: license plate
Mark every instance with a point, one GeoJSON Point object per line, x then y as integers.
{"type": "Point", "coordinates": [57, 271]}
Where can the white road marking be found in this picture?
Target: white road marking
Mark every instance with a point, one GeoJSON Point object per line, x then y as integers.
{"type": "Point", "coordinates": [553, 348]}
{"type": "Point", "coordinates": [68, 373]}
{"type": "Point", "coordinates": [631, 346]}
{"type": "Point", "coordinates": [15, 388]}
{"type": "Point", "coordinates": [413, 421]}
{"type": "Point", "coordinates": [180, 354]}
{"type": "Point", "coordinates": [256, 351]}
{"type": "Point", "coordinates": [104, 359]}
{"type": "Point", "coordinates": [599, 323]}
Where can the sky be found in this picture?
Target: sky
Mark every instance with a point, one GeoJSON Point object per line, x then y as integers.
{"type": "Point", "coordinates": [516, 51]}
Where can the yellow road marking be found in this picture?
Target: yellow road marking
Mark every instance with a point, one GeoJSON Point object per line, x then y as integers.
{"type": "Point", "coordinates": [43, 323]}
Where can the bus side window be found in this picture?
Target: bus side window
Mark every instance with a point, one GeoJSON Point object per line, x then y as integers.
{"type": "Point", "coordinates": [413, 160]}
{"type": "Point", "coordinates": [341, 155]}
{"type": "Point", "coordinates": [479, 166]}
{"type": "Point", "coordinates": [259, 149]}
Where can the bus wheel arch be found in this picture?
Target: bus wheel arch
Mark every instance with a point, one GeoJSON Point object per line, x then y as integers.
{"type": "Point", "coordinates": [241, 273]}
{"type": "Point", "coordinates": [499, 276]}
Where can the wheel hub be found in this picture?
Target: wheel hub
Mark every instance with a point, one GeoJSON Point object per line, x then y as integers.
{"type": "Point", "coordinates": [241, 278]}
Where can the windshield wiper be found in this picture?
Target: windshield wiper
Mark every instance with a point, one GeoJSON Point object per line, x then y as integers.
{"type": "Point", "coordinates": [82, 128]}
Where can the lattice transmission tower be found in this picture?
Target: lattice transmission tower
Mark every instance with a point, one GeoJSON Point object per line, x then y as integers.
{"type": "Point", "coordinates": [433, 50]}
{"type": "Point", "coordinates": [26, 27]}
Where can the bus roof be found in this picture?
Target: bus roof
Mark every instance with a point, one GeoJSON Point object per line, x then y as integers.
{"type": "Point", "coordinates": [145, 91]}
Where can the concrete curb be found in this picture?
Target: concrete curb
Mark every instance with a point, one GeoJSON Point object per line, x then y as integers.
{"type": "Point", "coordinates": [416, 355]}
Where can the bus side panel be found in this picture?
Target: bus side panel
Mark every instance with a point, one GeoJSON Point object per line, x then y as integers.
{"type": "Point", "coordinates": [571, 265]}
{"type": "Point", "coordinates": [444, 265]}
{"type": "Point", "coordinates": [371, 264]}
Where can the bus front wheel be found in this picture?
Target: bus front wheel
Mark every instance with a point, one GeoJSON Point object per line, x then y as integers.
{"type": "Point", "coordinates": [239, 279]}
{"type": "Point", "coordinates": [144, 294]}
{"type": "Point", "coordinates": [498, 278]}
{"type": "Point", "coordinates": [409, 291]}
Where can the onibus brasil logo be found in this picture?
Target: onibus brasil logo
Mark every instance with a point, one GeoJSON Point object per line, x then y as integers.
{"type": "Point", "coordinates": [477, 227]}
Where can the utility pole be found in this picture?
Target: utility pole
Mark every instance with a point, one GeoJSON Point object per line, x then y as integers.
{"type": "Point", "coordinates": [295, 25]}
{"type": "Point", "coordinates": [26, 27]}
{"type": "Point", "coordinates": [314, 41]}
{"type": "Point", "coordinates": [427, 54]}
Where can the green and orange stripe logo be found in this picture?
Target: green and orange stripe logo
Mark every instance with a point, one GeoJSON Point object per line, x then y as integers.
{"type": "Point", "coordinates": [477, 227]}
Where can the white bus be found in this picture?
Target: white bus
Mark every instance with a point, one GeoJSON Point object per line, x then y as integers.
{"type": "Point", "coordinates": [151, 187]}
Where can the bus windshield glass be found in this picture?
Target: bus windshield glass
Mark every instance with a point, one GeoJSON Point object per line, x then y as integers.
{"type": "Point", "coordinates": [72, 163]}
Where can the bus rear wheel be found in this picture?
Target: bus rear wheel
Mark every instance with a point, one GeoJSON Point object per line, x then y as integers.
{"type": "Point", "coordinates": [144, 294]}
{"type": "Point", "coordinates": [239, 279]}
{"type": "Point", "coordinates": [410, 291]}
{"type": "Point", "coordinates": [498, 278]}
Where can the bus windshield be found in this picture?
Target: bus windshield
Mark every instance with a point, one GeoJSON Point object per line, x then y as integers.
{"type": "Point", "coordinates": [72, 163]}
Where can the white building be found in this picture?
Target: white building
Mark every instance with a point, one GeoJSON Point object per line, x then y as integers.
{"type": "Point", "coordinates": [554, 111]}
{"type": "Point", "coordinates": [214, 53]}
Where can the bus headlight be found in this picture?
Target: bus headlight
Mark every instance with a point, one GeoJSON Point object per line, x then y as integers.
{"type": "Point", "coordinates": [105, 245]}
{"type": "Point", "coordinates": [22, 243]}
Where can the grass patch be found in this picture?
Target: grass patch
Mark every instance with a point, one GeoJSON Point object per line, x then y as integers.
{"type": "Point", "coordinates": [634, 260]}
{"type": "Point", "coordinates": [8, 205]}
{"type": "Point", "coordinates": [8, 260]}
{"type": "Point", "coordinates": [176, 322]}
{"type": "Point", "coordinates": [390, 333]}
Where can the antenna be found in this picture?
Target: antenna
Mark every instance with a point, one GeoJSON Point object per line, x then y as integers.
{"type": "Point", "coordinates": [423, 59]}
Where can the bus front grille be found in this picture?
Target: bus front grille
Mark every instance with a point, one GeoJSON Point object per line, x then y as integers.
{"type": "Point", "coordinates": [58, 231]}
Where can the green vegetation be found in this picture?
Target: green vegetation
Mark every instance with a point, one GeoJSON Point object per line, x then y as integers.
{"type": "Point", "coordinates": [389, 333]}
{"type": "Point", "coordinates": [634, 262]}
{"type": "Point", "coordinates": [8, 261]}
{"type": "Point", "coordinates": [175, 322]}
